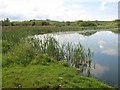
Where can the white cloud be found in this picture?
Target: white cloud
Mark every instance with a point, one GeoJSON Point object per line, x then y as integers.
{"type": "Point", "coordinates": [101, 44]}
{"type": "Point", "coordinates": [32, 8]}
{"type": "Point", "coordinates": [2, 5]}
{"type": "Point", "coordinates": [42, 9]}
{"type": "Point", "coordinates": [110, 51]}
{"type": "Point", "coordinates": [104, 2]}
{"type": "Point", "coordinates": [103, 7]}
{"type": "Point", "coordinates": [107, 50]}
{"type": "Point", "coordinates": [99, 69]}
{"type": "Point", "coordinates": [109, 0]}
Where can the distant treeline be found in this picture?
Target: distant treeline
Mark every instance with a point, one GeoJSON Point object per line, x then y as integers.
{"type": "Point", "coordinates": [48, 22]}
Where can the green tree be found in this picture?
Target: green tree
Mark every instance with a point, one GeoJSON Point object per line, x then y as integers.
{"type": "Point", "coordinates": [6, 22]}
{"type": "Point", "coordinates": [68, 23]}
{"type": "Point", "coordinates": [88, 24]}
{"type": "Point", "coordinates": [79, 21]}
{"type": "Point", "coordinates": [44, 23]}
{"type": "Point", "coordinates": [33, 23]}
{"type": "Point", "coordinates": [12, 24]}
{"type": "Point", "coordinates": [47, 19]}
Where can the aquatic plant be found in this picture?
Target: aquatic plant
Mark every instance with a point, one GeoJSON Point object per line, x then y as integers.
{"type": "Point", "coordinates": [75, 55]}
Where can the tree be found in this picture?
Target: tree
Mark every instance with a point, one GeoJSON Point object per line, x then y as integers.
{"type": "Point", "coordinates": [6, 22]}
{"type": "Point", "coordinates": [33, 23]}
{"type": "Point", "coordinates": [79, 21]}
{"type": "Point", "coordinates": [12, 24]}
{"type": "Point", "coordinates": [68, 23]}
{"type": "Point", "coordinates": [47, 19]}
{"type": "Point", "coordinates": [88, 24]}
{"type": "Point", "coordinates": [44, 23]}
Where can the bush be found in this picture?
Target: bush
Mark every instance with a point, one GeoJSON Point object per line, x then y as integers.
{"type": "Point", "coordinates": [88, 23]}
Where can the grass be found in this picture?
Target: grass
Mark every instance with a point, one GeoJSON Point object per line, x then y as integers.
{"type": "Point", "coordinates": [26, 67]}
{"type": "Point", "coordinates": [29, 49]}
{"type": "Point", "coordinates": [117, 31]}
{"type": "Point", "coordinates": [14, 34]}
{"type": "Point", "coordinates": [26, 64]}
{"type": "Point", "coordinates": [75, 55]}
{"type": "Point", "coordinates": [54, 75]}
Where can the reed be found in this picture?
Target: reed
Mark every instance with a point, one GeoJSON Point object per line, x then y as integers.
{"type": "Point", "coordinates": [75, 54]}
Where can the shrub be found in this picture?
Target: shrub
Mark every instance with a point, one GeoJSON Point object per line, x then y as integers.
{"type": "Point", "coordinates": [88, 23]}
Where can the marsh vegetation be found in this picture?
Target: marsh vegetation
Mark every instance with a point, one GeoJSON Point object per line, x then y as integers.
{"type": "Point", "coordinates": [39, 57]}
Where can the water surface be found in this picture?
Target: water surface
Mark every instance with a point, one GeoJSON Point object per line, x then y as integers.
{"type": "Point", "coordinates": [104, 44]}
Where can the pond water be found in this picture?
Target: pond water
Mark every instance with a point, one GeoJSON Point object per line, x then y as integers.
{"type": "Point", "coordinates": [104, 44]}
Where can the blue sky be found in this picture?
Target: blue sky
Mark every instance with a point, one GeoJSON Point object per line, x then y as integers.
{"type": "Point", "coordinates": [62, 10]}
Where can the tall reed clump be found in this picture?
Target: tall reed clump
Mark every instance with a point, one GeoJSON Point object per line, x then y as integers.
{"type": "Point", "coordinates": [75, 55]}
{"type": "Point", "coordinates": [78, 56]}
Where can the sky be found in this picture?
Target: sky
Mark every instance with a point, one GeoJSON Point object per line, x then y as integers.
{"type": "Point", "coordinates": [61, 10]}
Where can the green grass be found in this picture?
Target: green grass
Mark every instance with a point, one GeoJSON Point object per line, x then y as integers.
{"type": "Point", "coordinates": [117, 31]}
{"type": "Point", "coordinates": [14, 34]}
{"type": "Point", "coordinates": [24, 64]}
{"type": "Point", "coordinates": [47, 76]}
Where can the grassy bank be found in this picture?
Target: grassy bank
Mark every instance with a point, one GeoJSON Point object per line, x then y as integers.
{"type": "Point", "coordinates": [28, 68]}
{"type": "Point", "coordinates": [54, 75]}
{"type": "Point", "coordinates": [24, 65]}
{"type": "Point", "coordinates": [15, 33]}
{"type": "Point", "coordinates": [116, 31]}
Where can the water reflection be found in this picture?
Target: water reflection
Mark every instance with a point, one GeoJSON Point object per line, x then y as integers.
{"type": "Point", "coordinates": [99, 69]}
{"type": "Point", "coordinates": [104, 44]}
{"type": "Point", "coordinates": [101, 44]}
{"type": "Point", "coordinates": [109, 51]}
{"type": "Point", "coordinates": [88, 33]}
